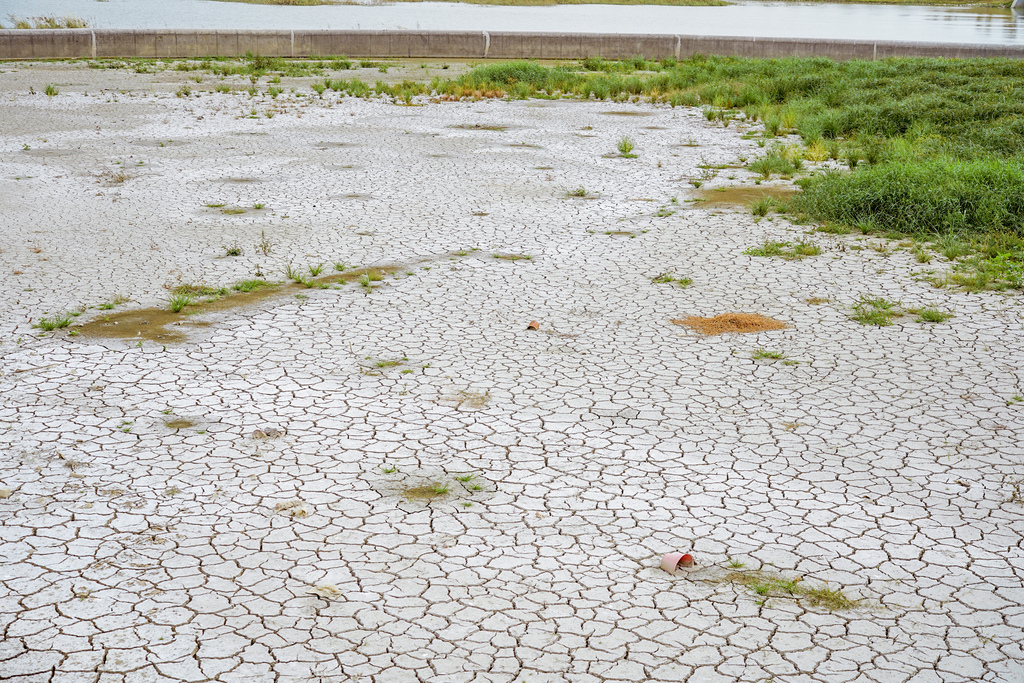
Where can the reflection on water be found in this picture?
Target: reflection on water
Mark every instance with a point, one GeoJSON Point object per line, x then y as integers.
{"type": "Point", "coordinates": [998, 21]}
{"type": "Point", "coordinates": [762, 19]}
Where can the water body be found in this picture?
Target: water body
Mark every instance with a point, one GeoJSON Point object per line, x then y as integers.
{"type": "Point", "coordinates": [761, 19]}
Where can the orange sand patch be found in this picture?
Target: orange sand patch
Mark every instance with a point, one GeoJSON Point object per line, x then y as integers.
{"type": "Point", "coordinates": [731, 322]}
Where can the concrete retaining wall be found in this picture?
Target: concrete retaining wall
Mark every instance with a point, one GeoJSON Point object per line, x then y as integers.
{"type": "Point", "coordinates": [187, 43]}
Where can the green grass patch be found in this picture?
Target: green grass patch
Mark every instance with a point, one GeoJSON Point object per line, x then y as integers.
{"type": "Point", "coordinates": [196, 291]}
{"type": "Point", "coordinates": [177, 301]}
{"type": "Point", "coordinates": [54, 322]}
{"type": "Point", "coordinates": [776, 161]}
{"type": "Point", "coordinates": [667, 278]}
{"type": "Point", "coordinates": [933, 315]}
{"type": "Point", "coordinates": [625, 147]}
{"type": "Point", "coordinates": [924, 197]}
{"type": "Point", "coordinates": [762, 205]}
{"type": "Point", "coordinates": [251, 285]}
{"type": "Point", "coordinates": [784, 250]}
{"type": "Point", "coordinates": [982, 272]}
{"type": "Point", "coordinates": [773, 585]}
{"type": "Point", "coordinates": [875, 311]}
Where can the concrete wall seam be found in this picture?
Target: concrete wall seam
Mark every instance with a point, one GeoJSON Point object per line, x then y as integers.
{"type": "Point", "coordinates": [487, 43]}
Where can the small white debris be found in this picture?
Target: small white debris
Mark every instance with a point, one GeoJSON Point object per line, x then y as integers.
{"type": "Point", "coordinates": [293, 508]}
{"type": "Point", "coordinates": [325, 590]}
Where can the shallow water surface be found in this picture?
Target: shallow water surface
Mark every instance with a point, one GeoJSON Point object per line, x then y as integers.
{"type": "Point", "coordinates": [761, 19]}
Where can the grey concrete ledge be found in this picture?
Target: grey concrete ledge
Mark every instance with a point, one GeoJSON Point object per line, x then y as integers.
{"type": "Point", "coordinates": [195, 43]}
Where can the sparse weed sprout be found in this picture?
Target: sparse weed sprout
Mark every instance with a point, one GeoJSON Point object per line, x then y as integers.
{"type": "Point", "coordinates": [626, 147]}
{"type": "Point", "coordinates": [51, 90]}
{"type": "Point", "coordinates": [264, 246]}
{"type": "Point", "coordinates": [762, 205]}
{"type": "Point", "coordinates": [578, 192]}
{"type": "Point", "coordinates": [294, 274]}
{"type": "Point", "coordinates": [233, 250]}
{"type": "Point", "coordinates": [366, 279]}
{"type": "Point", "coordinates": [177, 301]}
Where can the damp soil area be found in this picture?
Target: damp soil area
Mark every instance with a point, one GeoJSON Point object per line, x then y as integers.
{"type": "Point", "coordinates": [482, 126]}
{"type": "Point", "coordinates": [740, 196]}
{"type": "Point", "coordinates": [426, 492]}
{"type": "Point", "coordinates": [163, 326]}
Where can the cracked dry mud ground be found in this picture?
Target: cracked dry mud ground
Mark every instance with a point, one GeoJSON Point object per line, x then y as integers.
{"type": "Point", "coordinates": [884, 463]}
